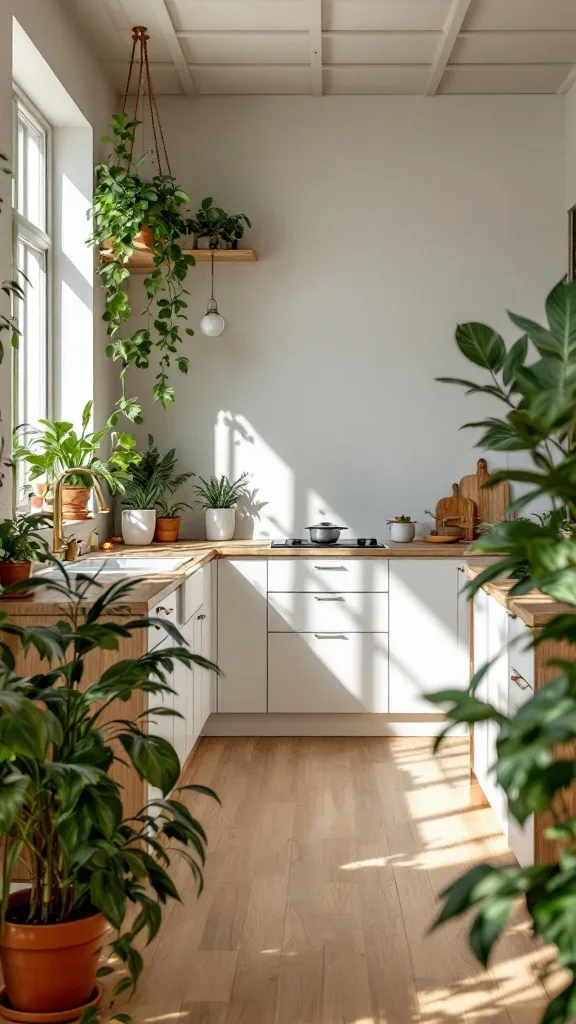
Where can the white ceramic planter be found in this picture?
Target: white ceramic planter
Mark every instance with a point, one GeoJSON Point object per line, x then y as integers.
{"type": "Point", "coordinates": [138, 525]}
{"type": "Point", "coordinates": [220, 523]}
{"type": "Point", "coordinates": [402, 533]}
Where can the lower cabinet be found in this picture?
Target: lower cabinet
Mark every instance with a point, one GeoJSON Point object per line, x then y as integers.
{"type": "Point", "coordinates": [327, 672]}
{"type": "Point", "coordinates": [428, 632]}
{"type": "Point", "coordinates": [242, 634]}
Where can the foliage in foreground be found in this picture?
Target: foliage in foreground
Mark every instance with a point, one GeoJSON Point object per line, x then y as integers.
{"type": "Point", "coordinates": [539, 397]}
{"type": "Point", "coordinates": [61, 732]}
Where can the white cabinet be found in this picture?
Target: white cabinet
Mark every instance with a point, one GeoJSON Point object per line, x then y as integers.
{"type": "Point", "coordinates": [242, 635]}
{"type": "Point", "coordinates": [318, 613]}
{"type": "Point", "coordinates": [327, 672]}
{"type": "Point", "coordinates": [318, 575]}
{"type": "Point", "coordinates": [428, 632]}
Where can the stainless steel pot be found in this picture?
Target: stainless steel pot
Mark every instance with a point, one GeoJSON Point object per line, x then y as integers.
{"type": "Point", "coordinates": [325, 533]}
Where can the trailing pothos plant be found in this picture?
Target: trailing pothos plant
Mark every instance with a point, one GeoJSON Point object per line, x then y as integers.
{"type": "Point", "coordinates": [123, 202]}
{"type": "Point", "coordinates": [61, 733]}
{"type": "Point", "coordinates": [538, 396]}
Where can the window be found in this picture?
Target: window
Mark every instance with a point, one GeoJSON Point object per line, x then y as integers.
{"type": "Point", "coordinates": [31, 212]}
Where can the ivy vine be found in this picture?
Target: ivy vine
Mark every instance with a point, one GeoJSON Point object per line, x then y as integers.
{"type": "Point", "coordinates": [123, 203]}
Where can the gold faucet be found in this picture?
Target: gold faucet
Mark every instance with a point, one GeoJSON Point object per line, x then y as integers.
{"type": "Point", "coordinates": [59, 546]}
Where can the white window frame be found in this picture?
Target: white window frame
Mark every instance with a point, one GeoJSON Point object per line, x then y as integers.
{"type": "Point", "coordinates": [41, 240]}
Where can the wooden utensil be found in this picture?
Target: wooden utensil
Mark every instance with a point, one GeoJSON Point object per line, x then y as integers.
{"type": "Point", "coordinates": [440, 539]}
{"type": "Point", "coordinates": [491, 503]}
{"type": "Point", "coordinates": [456, 511]}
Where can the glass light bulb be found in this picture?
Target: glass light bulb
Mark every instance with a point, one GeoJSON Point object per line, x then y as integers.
{"type": "Point", "coordinates": [212, 325]}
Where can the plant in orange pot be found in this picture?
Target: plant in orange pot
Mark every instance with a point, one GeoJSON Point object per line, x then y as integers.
{"type": "Point", "coordinates": [168, 519]}
{"type": "Point", "coordinates": [90, 869]}
{"type": "Point", "coordinates": [20, 545]}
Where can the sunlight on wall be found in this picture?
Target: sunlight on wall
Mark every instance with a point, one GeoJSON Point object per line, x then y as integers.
{"type": "Point", "coordinates": [75, 229]}
{"type": "Point", "coordinates": [75, 370]}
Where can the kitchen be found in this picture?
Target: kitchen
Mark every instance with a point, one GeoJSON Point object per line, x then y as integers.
{"type": "Point", "coordinates": [340, 294]}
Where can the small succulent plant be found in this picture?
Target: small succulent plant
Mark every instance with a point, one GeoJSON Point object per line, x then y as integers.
{"type": "Point", "coordinates": [399, 519]}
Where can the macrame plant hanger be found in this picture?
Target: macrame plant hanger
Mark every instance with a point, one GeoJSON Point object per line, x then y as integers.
{"type": "Point", "coordinates": [145, 97]}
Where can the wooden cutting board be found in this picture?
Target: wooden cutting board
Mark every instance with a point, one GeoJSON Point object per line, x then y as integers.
{"type": "Point", "coordinates": [460, 512]}
{"type": "Point", "coordinates": [491, 503]}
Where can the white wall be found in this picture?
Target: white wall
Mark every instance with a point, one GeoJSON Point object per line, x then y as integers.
{"type": "Point", "coordinates": [380, 223]}
{"type": "Point", "coordinates": [50, 29]}
{"type": "Point", "coordinates": [570, 150]}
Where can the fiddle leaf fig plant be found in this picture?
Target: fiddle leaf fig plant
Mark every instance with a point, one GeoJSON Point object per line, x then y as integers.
{"type": "Point", "coordinates": [123, 202]}
{"type": "Point", "coordinates": [62, 731]}
{"type": "Point", "coordinates": [538, 418]}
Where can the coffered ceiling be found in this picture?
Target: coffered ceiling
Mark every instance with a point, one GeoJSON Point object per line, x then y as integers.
{"type": "Point", "coordinates": [323, 47]}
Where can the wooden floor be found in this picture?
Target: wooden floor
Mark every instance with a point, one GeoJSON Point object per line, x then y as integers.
{"type": "Point", "coordinates": [326, 859]}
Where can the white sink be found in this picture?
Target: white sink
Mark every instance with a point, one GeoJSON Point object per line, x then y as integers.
{"type": "Point", "coordinates": [117, 566]}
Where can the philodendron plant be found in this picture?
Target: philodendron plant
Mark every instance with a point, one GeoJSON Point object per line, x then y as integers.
{"type": "Point", "coordinates": [538, 397]}
{"type": "Point", "coordinates": [123, 202]}
{"type": "Point", "coordinates": [61, 815]}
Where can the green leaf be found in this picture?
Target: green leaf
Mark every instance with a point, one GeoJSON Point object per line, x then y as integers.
{"type": "Point", "coordinates": [490, 920]}
{"type": "Point", "coordinates": [515, 357]}
{"type": "Point", "coordinates": [13, 790]}
{"type": "Point", "coordinates": [154, 758]}
{"type": "Point", "coordinates": [108, 894]}
{"type": "Point", "coordinates": [481, 345]}
{"type": "Point", "coordinates": [462, 894]}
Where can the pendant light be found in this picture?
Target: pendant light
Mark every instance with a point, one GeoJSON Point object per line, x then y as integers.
{"type": "Point", "coordinates": [212, 324]}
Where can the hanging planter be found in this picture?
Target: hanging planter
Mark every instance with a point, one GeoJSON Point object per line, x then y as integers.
{"type": "Point", "coordinates": [131, 212]}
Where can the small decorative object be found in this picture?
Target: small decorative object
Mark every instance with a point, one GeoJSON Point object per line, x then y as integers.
{"type": "Point", "coordinates": [212, 323]}
{"type": "Point", "coordinates": [168, 519]}
{"type": "Point", "coordinates": [20, 545]}
{"type": "Point", "coordinates": [218, 496]}
{"type": "Point", "coordinates": [62, 817]}
{"type": "Point", "coordinates": [402, 529]}
{"type": "Point", "coordinates": [441, 538]}
{"type": "Point", "coordinates": [221, 230]}
{"type": "Point", "coordinates": [572, 243]}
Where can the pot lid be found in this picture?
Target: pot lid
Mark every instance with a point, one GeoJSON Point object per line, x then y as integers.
{"type": "Point", "coordinates": [326, 526]}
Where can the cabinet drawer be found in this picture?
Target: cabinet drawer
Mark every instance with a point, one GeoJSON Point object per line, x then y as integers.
{"type": "Point", "coordinates": [320, 574]}
{"type": "Point", "coordinates": [193, 592]}
{"type": "Point", "coordinates": [311, 613]}
{"type": "Point", "coordinates": [521, 660]}
{"type": "Point", "coordinates": [328, 672]}
{"type": "Point", "coordinates": [167, 609]}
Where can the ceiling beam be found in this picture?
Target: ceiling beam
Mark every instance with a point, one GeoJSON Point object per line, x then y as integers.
{"type": "Point", "coordinates": [315, 39]}
{"type": "Point", "coordinates": [456, 15]}
{"type": "Point", "coordinates": [568, 82]}
{"type": "Point", "coordinates": [166, 26]}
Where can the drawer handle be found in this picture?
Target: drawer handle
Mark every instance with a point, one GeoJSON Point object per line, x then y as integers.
{"type": "Point", "coordinates": [331, 568]}
{"type": "Point", "coordinates": [200, 616]}
{"type": "Point", "coordinates": [338, 598]}
{"type": "Point", "coordinates": [330, 636]}
{"type": "Point", "coordinates": [161, 609]}
{"type": "Point", "coordinates": [520, 681]}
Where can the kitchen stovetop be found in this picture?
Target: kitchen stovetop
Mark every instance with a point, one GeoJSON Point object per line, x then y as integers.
{"type": "Point", "coordinates": [352, 542]}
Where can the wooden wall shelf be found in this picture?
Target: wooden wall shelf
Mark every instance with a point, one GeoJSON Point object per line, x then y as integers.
{"type": "Point", "coordinates": [141, 259]}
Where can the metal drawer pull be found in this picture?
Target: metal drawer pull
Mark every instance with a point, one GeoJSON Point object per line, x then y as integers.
{"type": "Point", "coordinates": [200, 616]}
{"type": "Point", "coordinates": [161, 608]}
{"type": "Point", "coordinates": [330, 636]}
{"type": "Point", "coordinates": [520, 681]}
{"type": "Point", "coordinates": [331, 568]}
{"type": "Point", "coordinates": [338, 598]}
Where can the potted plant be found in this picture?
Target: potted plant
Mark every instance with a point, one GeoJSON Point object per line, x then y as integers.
{"type": "Point", "coordinates": [402, 529]}
{"type": "Point", "coordinates": [130, 212]}
{"type": "Point", "coordinates": [168, 519]}
{"type": "Point", "coordinates": [62, 818]}
{"type": "Point", "coordinates": [219, 229]}
{"type": "Point", "coordinates": [152, 478]}
{"type": "Point", "coordinates": [218, 497]}
{"type": "Point", "coordinates": [20, 545]}
{"type": "Point", "coordinates": [55, 446]}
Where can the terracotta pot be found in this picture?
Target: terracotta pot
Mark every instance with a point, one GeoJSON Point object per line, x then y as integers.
{"type": "Point", "coordinates": [75, 502]}
{"type": "Point", "coordinates": [166, 531]}
{"type": "Point", "coordinates": [143, 239]}
{"type": "Point", "coordinates": [14, 572]}
{"type": "Point", "coordinates": [50, 968]}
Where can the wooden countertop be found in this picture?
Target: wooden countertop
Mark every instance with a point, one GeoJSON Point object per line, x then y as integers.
{"type": "Point", "coordinates": [535, 609]}
{"type": "Point", "coordinates": [158, 586]}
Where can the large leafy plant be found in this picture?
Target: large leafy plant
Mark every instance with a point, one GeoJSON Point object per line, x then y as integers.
{"type": "Point", "coordinates": [539, 396]}
{"type": "Point", "coordinates": [55, 445]}
{"type": "Point", "coordinates": [20, 540]}
{"type": "Point", "coordinates": [123, 202]}
{"type": "Point", "coordinates": [153, 477]}
{"type": "Point", "coordinates": [61, 815]}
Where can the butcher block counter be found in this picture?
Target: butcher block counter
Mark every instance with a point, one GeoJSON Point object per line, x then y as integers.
{"type": "Point", "coordinates": [151, 590]}
{"type": "Point", "coordinates": [535, 609]}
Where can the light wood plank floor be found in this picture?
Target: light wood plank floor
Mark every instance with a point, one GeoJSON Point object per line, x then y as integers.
{"type": "Point", "coordinates": [325, 862]}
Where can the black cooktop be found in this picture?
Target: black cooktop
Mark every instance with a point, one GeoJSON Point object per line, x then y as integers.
{"type": "Point", "coordinates": [352, 542]}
